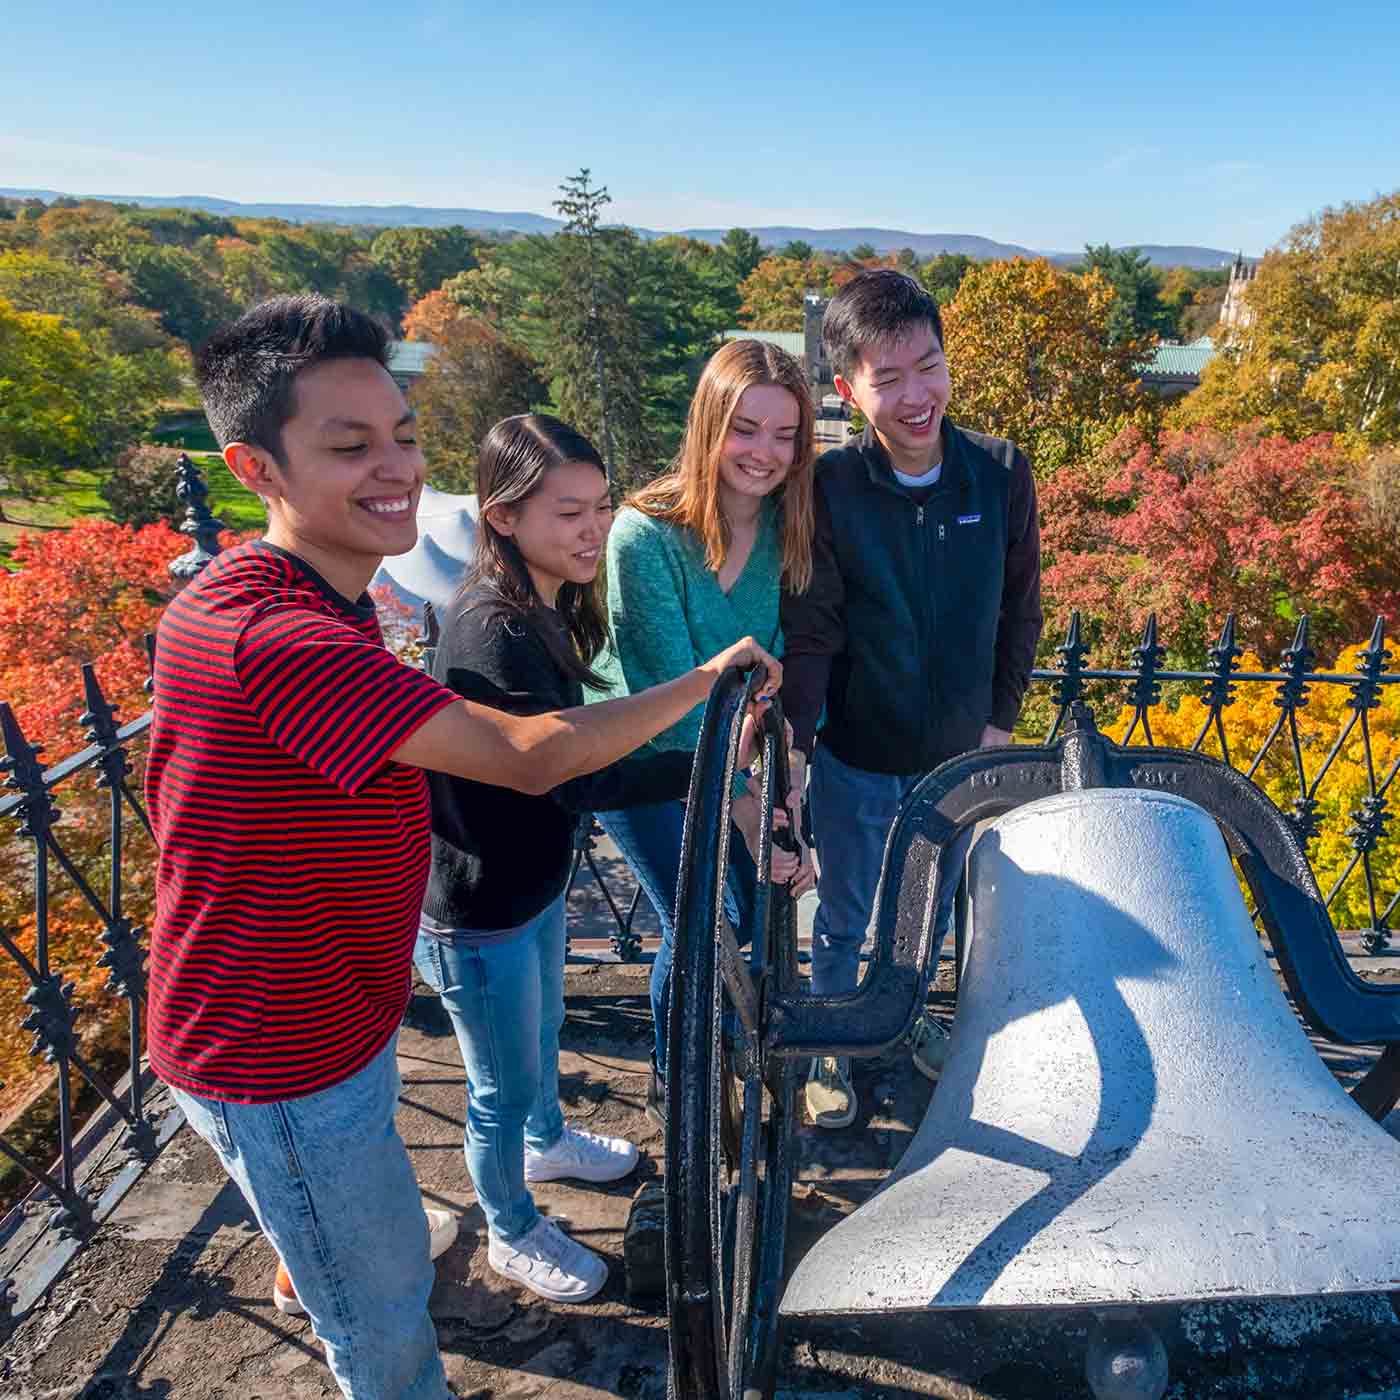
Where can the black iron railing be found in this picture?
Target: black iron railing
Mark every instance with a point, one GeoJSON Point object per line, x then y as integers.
{"type": "Point", "coordinates": [1141, 685]}
{"type": "Point", "coordinates": [127, 1130]}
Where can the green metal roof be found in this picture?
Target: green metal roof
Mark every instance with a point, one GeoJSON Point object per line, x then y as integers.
{"type": "Point", "coordinates": [1181, 361]}
{"type": "Point", "coordinates": [794, 342]}
{"type": "Point", "coordinates": [410, 357]}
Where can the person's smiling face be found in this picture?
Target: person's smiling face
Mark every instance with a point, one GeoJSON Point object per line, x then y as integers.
{"type": "Point", "coordinates": [343, 492]}
{"type": "Point", "coordinates": [902, 388]}
{"type": "Point", "coordinates": [758, 450]}
{"type": "Point", "coordinates": [561, 528]}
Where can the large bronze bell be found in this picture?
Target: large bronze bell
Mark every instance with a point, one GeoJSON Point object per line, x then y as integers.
{"type": "Point", "coordinates": [1130, 1112]}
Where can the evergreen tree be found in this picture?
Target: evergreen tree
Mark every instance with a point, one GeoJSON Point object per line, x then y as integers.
{"type": "Point", "coordinates": [1137, 310]}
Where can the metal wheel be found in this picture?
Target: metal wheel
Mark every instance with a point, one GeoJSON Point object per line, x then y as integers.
{"type": "Point", "coordinates": [730, 1108]}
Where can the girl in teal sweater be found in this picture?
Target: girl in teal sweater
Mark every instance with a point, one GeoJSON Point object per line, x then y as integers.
{"type": "Point", "coordinates": [695, 560]}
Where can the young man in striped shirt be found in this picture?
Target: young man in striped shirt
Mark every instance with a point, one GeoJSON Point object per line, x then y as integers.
{"type": "Point", "coordinates": [286, 787]}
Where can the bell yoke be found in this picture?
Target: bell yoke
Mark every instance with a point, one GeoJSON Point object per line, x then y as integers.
{"type": "Point", "coordinates": [1130, 1113]}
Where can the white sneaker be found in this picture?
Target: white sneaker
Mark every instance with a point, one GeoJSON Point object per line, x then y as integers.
{"type": "Point", "coordinates": [442, 1230]}
{"type": "Point", "coordinates": [830, 1095]}
{"type": "Point", "coordinates": [581, 1156]}
{"type": "Point", "coordinates": [549, 1263]}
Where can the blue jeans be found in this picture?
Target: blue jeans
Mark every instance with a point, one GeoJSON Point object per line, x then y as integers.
{"type": "Point", "coordinates": [650, 841]}
{"type": "Point", "coordinates": [506, 1001]}
{"type": "Point", "coordinates": [329, 1180]}
{"type": "Point", "coordinates": [852, 812]}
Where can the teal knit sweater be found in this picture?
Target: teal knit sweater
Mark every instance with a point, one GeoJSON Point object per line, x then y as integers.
{"type": "Point", "coordinates": [668, 613]}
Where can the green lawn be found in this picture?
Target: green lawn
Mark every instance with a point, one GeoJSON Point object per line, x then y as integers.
{"type": "Point", "coordinates": [75, 494]}
{"type": "Point", "coordinates": [236, 506]}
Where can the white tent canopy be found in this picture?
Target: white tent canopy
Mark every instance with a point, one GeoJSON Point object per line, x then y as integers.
{"type": "Point", "coordinates": [432, 571]}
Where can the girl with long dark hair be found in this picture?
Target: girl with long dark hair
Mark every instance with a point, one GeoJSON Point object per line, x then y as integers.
{"type": "Point", "coordinates": [521, 636]}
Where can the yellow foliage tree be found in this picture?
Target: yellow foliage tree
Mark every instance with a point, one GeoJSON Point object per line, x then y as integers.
{"type": "Point", "coordinates": [772, 293]}
{"type": "Point", "coordinates": [1320, 351]}
{"type": "Point", "coordinates": [1342, 790]}
{"type": "Point", "coordinates": [1031, 360]}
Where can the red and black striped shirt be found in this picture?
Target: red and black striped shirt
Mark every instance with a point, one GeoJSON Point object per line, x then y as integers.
{"type": "Point", "coordinates": [293, 854]}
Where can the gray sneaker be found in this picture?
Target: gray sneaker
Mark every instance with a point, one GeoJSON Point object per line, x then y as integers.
{"type": "Point", "coordinates": [928, 1046]}
{"type": "Point", "coordinates": [831, 1097]}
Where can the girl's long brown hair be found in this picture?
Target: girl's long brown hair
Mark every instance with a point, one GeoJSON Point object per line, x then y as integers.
{"type": "Point", "coordinates": [688, 492]}
{"type": "Point", "coordinates": [515, 458]}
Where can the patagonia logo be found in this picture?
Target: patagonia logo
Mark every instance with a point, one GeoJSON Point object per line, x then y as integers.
{"type": "Point", "coordinates": [969, 519]}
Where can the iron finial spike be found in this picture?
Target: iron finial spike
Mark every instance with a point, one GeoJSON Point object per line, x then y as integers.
{"type": "Point", "coordinates": [1070, 654]}
{"type": "Point", "coordinates": [22, 757]}
{"type": "Point", "coordinates": [1147, 689]}
{"type": "Point", "coordinates": [99, 718]}
{"type": "Point", "coordinates": [1227, 634]}
{"type": "Point", "coordinates": [1365, 694]}
{"type": "Point", "coordinates": [1293, 693]}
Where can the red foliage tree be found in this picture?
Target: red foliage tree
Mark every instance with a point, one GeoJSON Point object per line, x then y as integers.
{"type": "Point", "coordinates": [88, 593]}
{"type": "Point", "coordinates": [1202, 523]}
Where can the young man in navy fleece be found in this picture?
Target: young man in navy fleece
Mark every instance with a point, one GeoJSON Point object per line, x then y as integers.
{"type": "Point", "coordinates": [918, 632]}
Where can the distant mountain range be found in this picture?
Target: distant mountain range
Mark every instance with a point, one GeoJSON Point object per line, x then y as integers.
{"type": "Point", "coordinates": [883, 240]}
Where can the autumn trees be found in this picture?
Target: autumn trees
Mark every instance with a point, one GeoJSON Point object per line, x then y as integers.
{"type": "Point", "coordinates": [1321, 351]}
{"type": "Point", "coordinates": [1200, 523]}
{"type": "Point", "coordinates": [772, 293]}
{"type": "Point", "coordinates": [476, 377]}
{"type": "Point", "coordinates": [420, 260]}
{"type": "Point", "coordinates": [1033, 359]}
{"type": "Point", "coordinates": [68, 399]}
{"type": "Point", "coordinates": [86, 594]}
{"type": "Point", "coordinates": [613, 328]}
{"type": "Point", "coordinates": [1278, 493]}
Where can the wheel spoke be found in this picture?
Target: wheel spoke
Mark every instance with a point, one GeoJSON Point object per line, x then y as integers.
{"type": "Point", "coordinates": [726, 1205]}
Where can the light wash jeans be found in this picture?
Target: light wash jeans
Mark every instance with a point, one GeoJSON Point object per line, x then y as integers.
{"type": "Point", "coordinates": [852, 813]}
{"type": "Point", "coordinates": [506, 1001]}
{"type": "Point", "coordinates": [649, 838]}
{"type": "Point", "coordinates": [329, 1180]}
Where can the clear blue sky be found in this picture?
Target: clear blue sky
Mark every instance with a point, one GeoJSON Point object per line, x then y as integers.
{"type": "Point", "coordinates": [1043, 124]}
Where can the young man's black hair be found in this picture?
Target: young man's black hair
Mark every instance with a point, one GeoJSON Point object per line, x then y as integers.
{"type": "Point", "coordinates": [880, 304]}
{"type": "Point", "coordinates": [247, 369]}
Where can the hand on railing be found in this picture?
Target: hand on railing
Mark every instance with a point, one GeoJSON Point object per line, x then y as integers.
{"type": "Point", "coordinates": [744, 654]}
{"type": "Point", "coordinates": [791, 861]}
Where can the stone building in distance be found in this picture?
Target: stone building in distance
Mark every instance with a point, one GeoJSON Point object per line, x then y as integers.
{"type": "Point", "coordinates": [1235, 314]}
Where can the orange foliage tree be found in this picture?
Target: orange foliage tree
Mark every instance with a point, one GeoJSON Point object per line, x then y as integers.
{"type": "Point", "coordinates": [1032, 359]}
{"type": "Point", "coordinates": [85, 594]}
{"type": "Point", "coordinates": [88, 593]}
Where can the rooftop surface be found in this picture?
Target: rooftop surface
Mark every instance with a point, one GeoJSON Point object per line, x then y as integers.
{"type": "Point", "coordinates": [1182, 361]}
{"type": "Point", "coordinates": [410, 357]}
{"type": "Point", "coordinates": [171, 1299]}
{"type": "Point", "coordinates": [794, 342]}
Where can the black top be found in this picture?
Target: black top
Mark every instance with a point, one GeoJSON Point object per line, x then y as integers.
{"type": "Point", "coordinates": [500, 856]}
{"type": "Point", "coordinates": [922, 618]}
